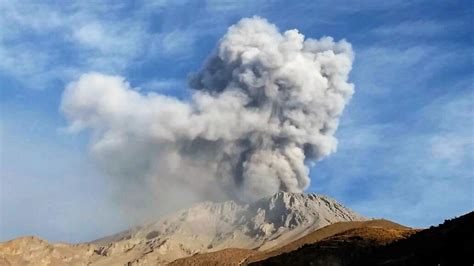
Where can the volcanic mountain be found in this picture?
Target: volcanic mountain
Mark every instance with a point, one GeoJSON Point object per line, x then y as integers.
{"type": "Point", "coordinates": [205, 227]}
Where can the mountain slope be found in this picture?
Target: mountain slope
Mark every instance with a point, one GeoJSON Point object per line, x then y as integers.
{"type": "Point", "coordinates": [383, 231]}
{"type": "Point", "coordinates": [450, 243]}
{"type": "Point", "coordinates": [325, 232]}
{"type": "Point", "coordinates": [34, 251]}
{"type": "Point", "coordinates": [208, 227]}
{"type": "Point", "coordinates": [447, 244]}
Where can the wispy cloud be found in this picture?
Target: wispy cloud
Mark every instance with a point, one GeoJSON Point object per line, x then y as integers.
{"type": "Point", "coordinates": [29, 51]}
{"type": "Point", "coordinates": [230, 5]}
{"type": "Point", "coordinates": [395, 69]}
{"type": "Point", "coordinates": [411, 174]}
{"type": "Point", "coordinates": [87, 37]}
{"type": "Point", "coordinates": [163, 85]}
{"type": "Point", "coordinates": [178, 44]}
{"type": "Point", "coordinates": [406, 139]}
{"type": "Point", "coordinates": [422, 28]}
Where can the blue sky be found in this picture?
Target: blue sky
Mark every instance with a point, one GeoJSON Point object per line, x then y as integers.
{"type": "Point", "coordinates": [405, 140]}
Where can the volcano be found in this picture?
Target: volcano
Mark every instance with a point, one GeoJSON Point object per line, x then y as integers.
{"type": "Point", "coordinates": [205, 227]}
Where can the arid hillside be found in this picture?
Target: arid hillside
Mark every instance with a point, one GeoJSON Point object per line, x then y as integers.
{"type": "Point", "coordinates": [447, 244]}
{"type": "Point", "coordinates": [381, 231]}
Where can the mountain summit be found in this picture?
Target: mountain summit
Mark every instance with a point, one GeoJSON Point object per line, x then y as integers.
{"type": "Point", "coordinates": [209, 226]}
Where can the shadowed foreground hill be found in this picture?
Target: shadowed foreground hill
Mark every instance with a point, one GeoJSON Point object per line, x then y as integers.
{"type": "Point", "coordinates": [446, 244]}
{"type": "Point", "coordinates": [451, 243]}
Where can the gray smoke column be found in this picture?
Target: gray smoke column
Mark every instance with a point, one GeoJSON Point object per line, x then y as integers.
{"type": "Point", "coordinates": [263, 107]}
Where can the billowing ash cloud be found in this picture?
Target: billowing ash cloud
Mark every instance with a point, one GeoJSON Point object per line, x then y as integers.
{"type": "Point", "coordinates": [263, 106]}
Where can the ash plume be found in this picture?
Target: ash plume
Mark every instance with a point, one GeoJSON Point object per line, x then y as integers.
{"type": "Point", "coordinates": [264, 106]}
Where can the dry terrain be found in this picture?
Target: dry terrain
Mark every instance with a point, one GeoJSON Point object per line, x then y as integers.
{"type": "Point", "coordinates": [203, 228]}
{"type": "Point", "coordinates": [230, 256]}
{"type": "Point", "coordinates": [447, 244]}
{"type": "Point", "coordinates": [381, 231]}
{"type": "Point", "coordinates": [287, 228]}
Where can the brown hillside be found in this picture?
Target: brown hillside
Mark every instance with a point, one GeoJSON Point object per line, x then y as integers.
{"type": "Point", "coordinates": [323, 233]}
{"type": "Point", "coordinates": [447, 244]}
{"type": "Point", "coordinates": [231, 256]}
{"type": "Point", "coordinates": [382, 231]}
{"type": "Point", "coordinates": [339, 249]}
